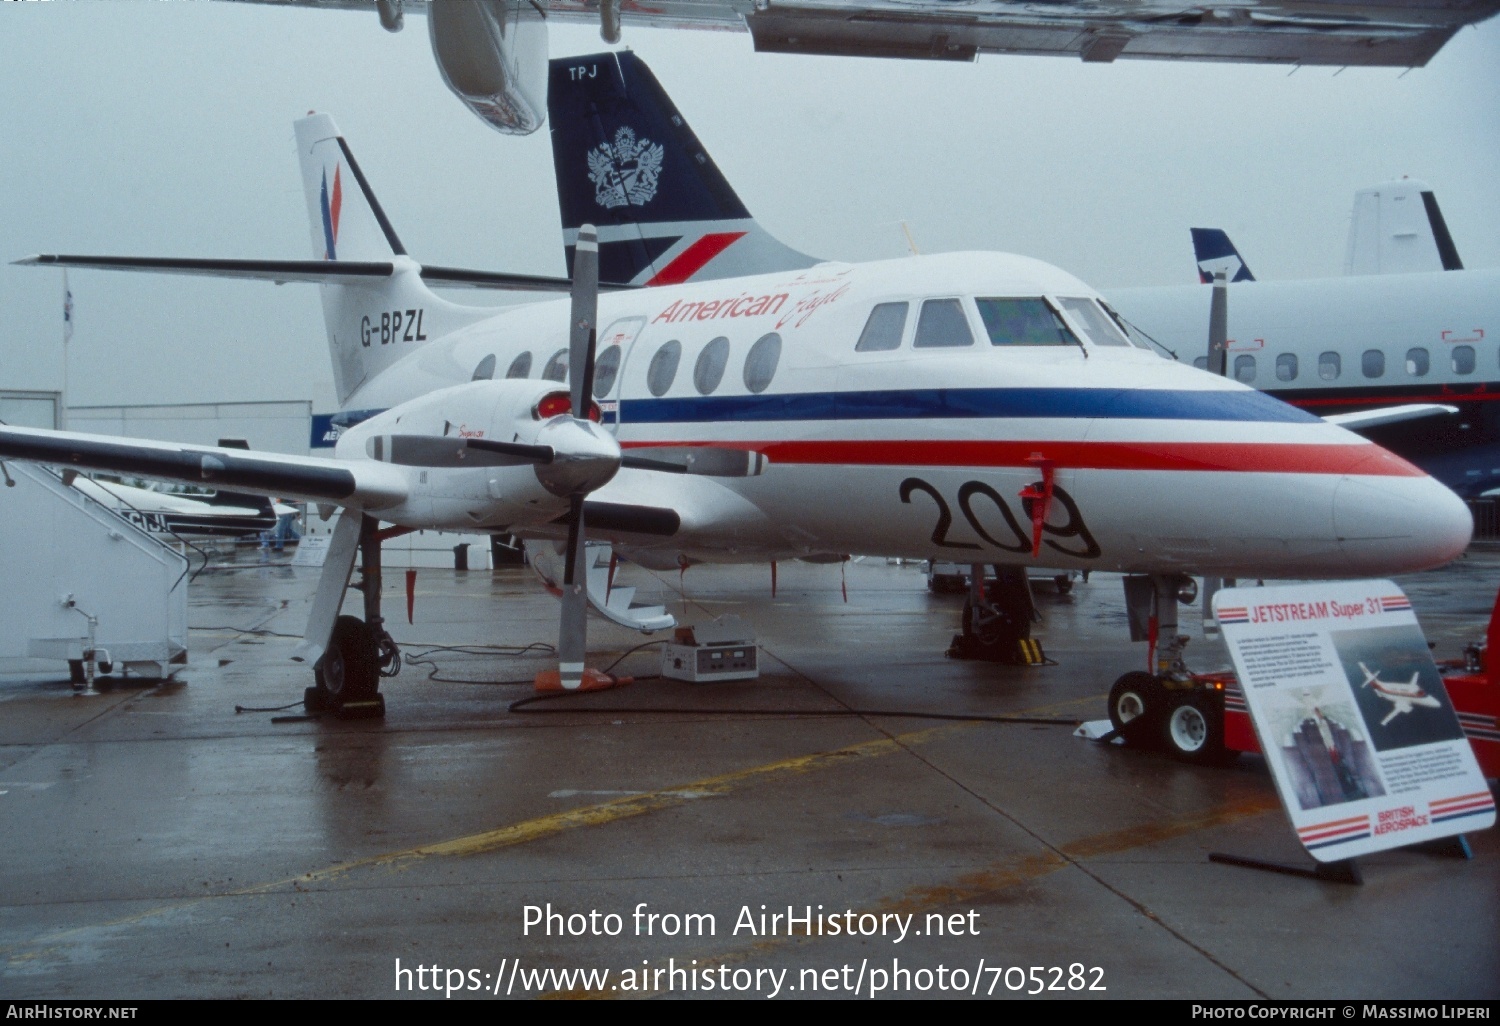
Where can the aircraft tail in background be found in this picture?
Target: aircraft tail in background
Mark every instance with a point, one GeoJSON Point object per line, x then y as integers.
{"type": "Point", "coordinates": [627, 162]}
{"type": "Point", "coordinates": [1214, 252]}
{"type": "Point", "coordinates": [373, 322]}
{"type": "Point", "coordinates": [1397, 228]}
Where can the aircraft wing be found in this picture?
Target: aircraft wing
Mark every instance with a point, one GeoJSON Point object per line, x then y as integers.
{"type": "Point", "coordinates": [361, 484]}
{"type": "Point", "coordinates": [1375, 33]}
{"type": "Point", "coordinates": [1362, 419]}
{"type": "Point", "coordinates": [321, 272]}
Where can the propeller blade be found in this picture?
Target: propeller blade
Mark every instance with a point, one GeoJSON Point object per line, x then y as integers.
{"type": "Point", "coordinates": [435, 451]}
{"type": "Point", "coordinates": [572, 638]}
{"type": "Point", "coordinates": [1218, 327]}
{"type": "Point", "coordinates": [705, 461]}
{"type": "Point", "coordinates": [585, 313]}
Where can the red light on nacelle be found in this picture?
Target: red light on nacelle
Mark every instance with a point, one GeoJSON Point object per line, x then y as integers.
{"type": "Point", "coordinates": [554, 403]}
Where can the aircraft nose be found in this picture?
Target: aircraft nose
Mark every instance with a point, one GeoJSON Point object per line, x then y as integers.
{"type": "Point", "coordinates": [1391, 525]}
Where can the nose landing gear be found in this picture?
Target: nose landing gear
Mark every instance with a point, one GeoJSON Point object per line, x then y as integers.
{"type": "Point", "coordinates": [1170, 708]}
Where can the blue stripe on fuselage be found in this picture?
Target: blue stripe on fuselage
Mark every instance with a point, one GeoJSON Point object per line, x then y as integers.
{"type": "Point", "coordinates": [948, 403]}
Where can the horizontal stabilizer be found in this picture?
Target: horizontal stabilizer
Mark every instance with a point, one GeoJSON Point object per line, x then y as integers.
{"type": "Point", "coordinates": [1363, 419]}
{"type": "Point", "coordinates": [308, 478]}
{"type": "Point", "coordinates": [320, 272]}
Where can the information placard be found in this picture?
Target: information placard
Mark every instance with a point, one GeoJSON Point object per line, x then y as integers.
{"type": "Point", "coordinates": [1363, 743]}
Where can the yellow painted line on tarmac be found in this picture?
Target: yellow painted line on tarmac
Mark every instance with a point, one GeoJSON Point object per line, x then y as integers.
{"type": "Point", "coordinates": [546, 826]}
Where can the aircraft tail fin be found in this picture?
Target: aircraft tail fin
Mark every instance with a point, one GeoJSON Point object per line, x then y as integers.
{"type": "Point", "coordinates": [1214, 252]}
{"type": "Point", "coordinates": [1398, 228]}
{"type": "Point", "coordinates": [376, 321]}
{"type": "Point", "coordinates": [627, 162]}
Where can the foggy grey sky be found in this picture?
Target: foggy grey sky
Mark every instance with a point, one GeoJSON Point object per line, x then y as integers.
{"type": "Point", "coordinates": [165, 129]}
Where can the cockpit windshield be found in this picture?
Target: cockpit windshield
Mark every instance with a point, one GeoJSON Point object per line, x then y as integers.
{"type": "Point", "coordinates": [1024, 322]}
{"type": "Point", "coordinates": [1097, 327]}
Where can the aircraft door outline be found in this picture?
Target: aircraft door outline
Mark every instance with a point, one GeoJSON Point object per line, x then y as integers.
{"type": "Point", "coordinates": [622, 333]}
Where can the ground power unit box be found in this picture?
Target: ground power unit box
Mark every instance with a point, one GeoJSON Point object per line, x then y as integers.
{"type": "Point", "coordinates": [722, 649]}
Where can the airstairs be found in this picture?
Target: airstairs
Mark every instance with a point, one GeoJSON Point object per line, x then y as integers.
{"type": "Point", "coordinates": [614, 603]}
{"type": "Point", "coordinates": [83, 584]}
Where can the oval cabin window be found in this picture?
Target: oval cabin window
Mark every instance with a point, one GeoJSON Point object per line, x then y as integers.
{"type": "Point", "coordinates": [760, 365]}
{"type": "Point", "coordinates": [485, 370]}
{"type": "Point", "coordinates": [709, 370]}
{"type": "Point", "coordinates": [663, 369]}
{"type": "Point", "coordinates": [557, 367]}
{"type": "Point", "coordinates": [606, 369]}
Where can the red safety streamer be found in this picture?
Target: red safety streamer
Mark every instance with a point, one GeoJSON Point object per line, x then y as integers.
{"type": "Point", "coordinates": [1040, 500]}
{"type": "Point", "coordinates": [411, 593]}
{"type": "Point", "coordinates": [844, 581]}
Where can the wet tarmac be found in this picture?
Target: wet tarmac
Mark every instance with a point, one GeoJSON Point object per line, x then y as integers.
{"type": "Point", "coordinates": [159, 843]}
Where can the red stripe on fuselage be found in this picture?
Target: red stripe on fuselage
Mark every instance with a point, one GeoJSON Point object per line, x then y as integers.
{"type": "Point", "coordinates": [1257, 458]}
{"type": "Point", "coordinates": [693, 259]}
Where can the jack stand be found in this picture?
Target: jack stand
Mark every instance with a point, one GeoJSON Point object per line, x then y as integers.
{"type": "Point", "coordinates": [997, 620]}
{"type": "Point", "coordinates": [550, 681]}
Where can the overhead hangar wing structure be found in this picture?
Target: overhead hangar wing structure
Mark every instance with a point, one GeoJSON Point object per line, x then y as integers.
{"type": "Point", "coordinates": [493, 53]}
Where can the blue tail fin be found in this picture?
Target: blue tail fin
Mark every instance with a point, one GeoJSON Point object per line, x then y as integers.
{"type": "Point", "coordinates": [1215, 253]}
{"type": "Point", "coordinates": [627, 162]}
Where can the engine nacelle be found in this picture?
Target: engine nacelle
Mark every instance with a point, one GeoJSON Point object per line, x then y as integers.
{"type": "Point", "coordinates": [493, 55]}
{"type": "Point", "coordinates": [447, 487]}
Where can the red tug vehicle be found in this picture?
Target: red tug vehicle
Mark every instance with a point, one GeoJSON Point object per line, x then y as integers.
{"type": "Point", "coordinates": [1201, 717]}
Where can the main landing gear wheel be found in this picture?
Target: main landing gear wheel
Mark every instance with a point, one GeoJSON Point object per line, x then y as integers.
{"type": "Point", "coordinates": [1193, 729]}
{"type": "Point", "coordinates": [350, 669]}
{"type": "Point", "coordinates": [1135, 705]}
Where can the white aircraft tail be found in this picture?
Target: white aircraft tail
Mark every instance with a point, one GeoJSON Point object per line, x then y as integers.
{"type": "Point", "coordinates": [1397, 228]}
{"type": "Point", "coordinates": [376, 321]}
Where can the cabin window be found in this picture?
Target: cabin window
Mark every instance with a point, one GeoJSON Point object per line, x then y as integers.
{"type": "Point", "coordinates": [557, 367]}
{"type": "Point", "coordinates": [1024, 322]}
{"type": "Point", "coordinates": [606, 369]}
{"type": "Point", "coordinates": [1417, 363]}
{"type": "Point", "coordinates": [520, 367]}
{"type": "Point", "coordinates": [1097, 328]}
{"type": "Point", "coordinates": [1372, 363]}
{"type": "Point", "coordinates": [1463, 359]}
{"type": "Point", "coordinates": [485, 370]}
{"type": "Point", "coordinates": [760, 365]}
{"type": "Point", "coordinates": [1201, 362]}
{"type": "Point", "coordinates": [942, 324]}
{"type": "Point", "coordinates": [709, 370]}
{"type": "Point", "coordinates": [1244, 368]}
{"type": "Point", "coordinates": [1286, 367]}
{"type": "Point", "coordinates": [884, 329]}
{"type": "Point", "coordinates": [663, 369]}
{"type": "Point", "coordinates": [1329, 366]}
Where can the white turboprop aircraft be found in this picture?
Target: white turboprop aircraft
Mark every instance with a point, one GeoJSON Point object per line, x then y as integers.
{"type": "Point", "coordinates": [1403, 697]}
{"type": "Point", "coordinates": [971, 406]}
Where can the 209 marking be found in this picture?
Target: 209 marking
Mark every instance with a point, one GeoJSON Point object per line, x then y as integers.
{"type": "Point", "coordinates": [389, 328]}
{"type": "Point", "coordinates": [1074, 527]}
